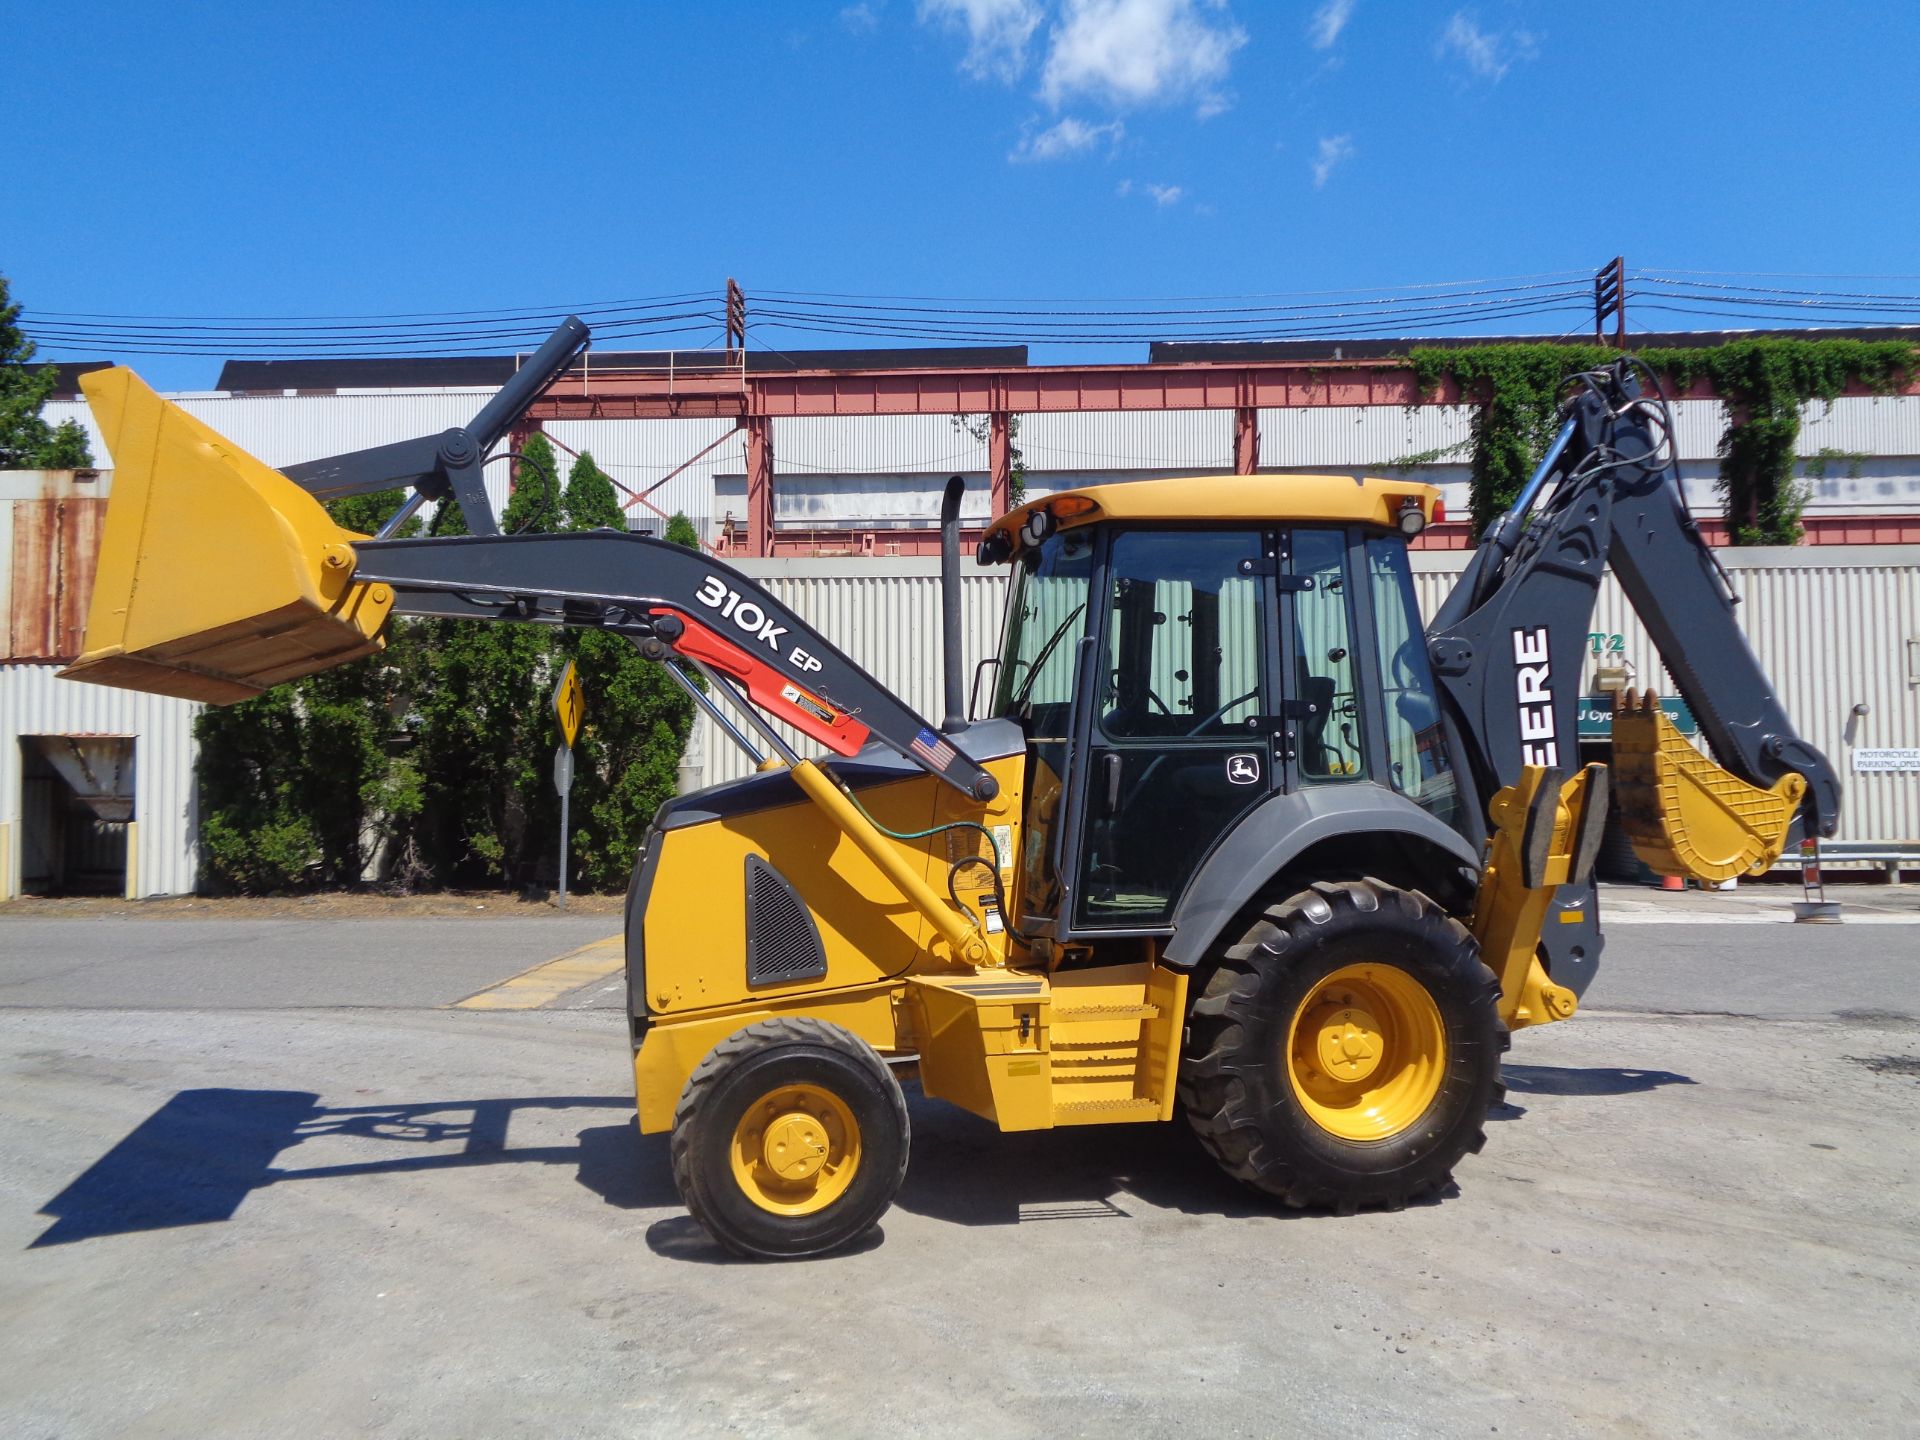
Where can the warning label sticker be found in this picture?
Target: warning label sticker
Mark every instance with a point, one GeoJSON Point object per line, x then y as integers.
{"type": "Point", "coordinates": [812, 704]}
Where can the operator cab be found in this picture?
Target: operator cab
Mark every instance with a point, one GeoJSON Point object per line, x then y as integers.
{"type": "Point", "coordinates": [1178, 659]}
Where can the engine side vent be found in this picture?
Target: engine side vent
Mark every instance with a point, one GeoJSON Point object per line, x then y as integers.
{"type": "Point", "coordinates": [783, 943]}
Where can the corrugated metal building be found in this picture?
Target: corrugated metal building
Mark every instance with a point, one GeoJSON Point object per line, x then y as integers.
{"type": "Point", "coordinates": [1861, 454]}
{"type": "Point", "coordinates": [96, 785]}
{"type": "Point", "coordinates": [1835, 626]}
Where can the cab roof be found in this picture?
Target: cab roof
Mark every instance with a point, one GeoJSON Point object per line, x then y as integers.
{"type": "Point", "coordinates": [1279, 499]}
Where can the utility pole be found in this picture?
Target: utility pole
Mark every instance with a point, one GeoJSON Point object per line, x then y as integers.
{"type": "Point", "coordinates": [736, 317]}
{"type": "Point", "coordinates": [1610, 298]}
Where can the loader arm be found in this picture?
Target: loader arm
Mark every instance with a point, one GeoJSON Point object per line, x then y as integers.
{"type": "Point", "coordinates": [219, 577]}
{"type": "Point", "coordinates": [1509, 644]}
{"type": "Point", "coordinates": [696, 606]}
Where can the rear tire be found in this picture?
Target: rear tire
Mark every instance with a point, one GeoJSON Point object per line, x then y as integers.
{"type": "Point", "coordinates": [1346, 1051]}
{"type": "Point", "coordinates": [790, 1139]}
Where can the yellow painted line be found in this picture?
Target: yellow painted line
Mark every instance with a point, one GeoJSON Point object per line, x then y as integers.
{"type": "Point", "coordinates": [549, 980]}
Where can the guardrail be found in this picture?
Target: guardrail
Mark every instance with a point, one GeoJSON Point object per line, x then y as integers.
{"type": "Point", "coordinates": [1891, 855]}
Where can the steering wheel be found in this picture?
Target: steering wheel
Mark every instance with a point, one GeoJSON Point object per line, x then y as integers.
{"type": "Point", "coordinates": [1153, 765]}
{"type": "Point", "coordinates": [1216, 716]}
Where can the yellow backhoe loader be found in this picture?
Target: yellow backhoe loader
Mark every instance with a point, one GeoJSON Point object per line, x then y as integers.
{"type": "Point", "coordinates": [1235, 835]}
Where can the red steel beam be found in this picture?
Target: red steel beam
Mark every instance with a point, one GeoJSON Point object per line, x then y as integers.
{"type": "Point", "coordinates": [615, 395]}
{"type": "Point", "coordinates": [759, 486]}
{"type": "Point", "coordinates": [1000, 461]}
{"type": "Point", "coordinates": [1246, 441]}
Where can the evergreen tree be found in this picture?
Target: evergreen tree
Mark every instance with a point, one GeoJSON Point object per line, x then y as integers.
{"type": "Point", "coordinates": [627, 758]}
{"type": "Point", "coordinates": [304, 784]}
{"type": "Point", "coordinates": [489, 814]}
{"type": "Point", "coordinates": [435, 751]}
{"type": "Point", "coordinates": [27, 442]}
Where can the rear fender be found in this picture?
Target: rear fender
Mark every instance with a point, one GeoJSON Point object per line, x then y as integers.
{"type": "Point", "coordinates": [1286, 830]}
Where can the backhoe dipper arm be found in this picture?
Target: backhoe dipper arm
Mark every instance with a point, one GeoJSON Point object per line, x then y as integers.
{"type": "Point", "coordinates": [665, 595]}
{"type": "Point", "coordinates": [1508, 645]}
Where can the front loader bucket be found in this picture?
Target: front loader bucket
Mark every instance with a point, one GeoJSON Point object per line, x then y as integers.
{"type": "Point", "coordinates": [217, 575]}
{"type": "Point", "coordinates": [1686, 815]}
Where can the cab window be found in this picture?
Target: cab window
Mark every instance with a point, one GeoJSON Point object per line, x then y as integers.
{"type": "Point", "coordinates": [1418, 765]}
{"type": "Point", "coordinates": [1330, 747]}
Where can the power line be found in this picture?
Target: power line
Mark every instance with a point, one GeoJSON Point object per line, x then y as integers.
{"type": "Point", "coordinates": [1403, 310]}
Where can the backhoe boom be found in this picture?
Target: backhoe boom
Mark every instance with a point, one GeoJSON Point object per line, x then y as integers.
{"type": "Point", "coordinates": [1509, 645]}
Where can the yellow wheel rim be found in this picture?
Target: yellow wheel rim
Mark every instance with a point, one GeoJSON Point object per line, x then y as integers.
{"type": "Point", "coordinates": [1366, 1052]}
{"type": "Point", "coordinates": [796, 1149]}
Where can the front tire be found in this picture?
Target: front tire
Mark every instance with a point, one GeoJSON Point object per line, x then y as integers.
{"type": "Point", "coordinates": [790, 1139]}
{"type": "Point", "coordinates": [1346, 1051]}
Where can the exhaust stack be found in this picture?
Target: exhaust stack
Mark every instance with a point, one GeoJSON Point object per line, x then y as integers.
{"type": "Point", "coordinates": [955, 719]}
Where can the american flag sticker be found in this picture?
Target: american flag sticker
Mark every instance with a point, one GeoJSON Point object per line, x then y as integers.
{"type": "Point", "coordinates": [932, 751]}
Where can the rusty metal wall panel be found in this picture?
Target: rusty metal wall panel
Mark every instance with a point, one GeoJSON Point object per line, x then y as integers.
{"type": "Point", "coordinates": [50, 576]}
{"type": "Point", "coordinates": [34, 701]}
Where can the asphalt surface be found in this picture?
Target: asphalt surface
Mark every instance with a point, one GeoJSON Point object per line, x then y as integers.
{"type": "Point", "coordinates": [273, 964]}
{"type": "Point", "coordinates": [260, 1183]}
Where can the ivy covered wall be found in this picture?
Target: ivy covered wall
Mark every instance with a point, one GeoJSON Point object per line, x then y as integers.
{"type": "Point", "coordinates": [1763, 382]}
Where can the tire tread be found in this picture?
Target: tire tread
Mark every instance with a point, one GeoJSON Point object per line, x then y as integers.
{"type": "Point", "coordinates": [1213, 1089]}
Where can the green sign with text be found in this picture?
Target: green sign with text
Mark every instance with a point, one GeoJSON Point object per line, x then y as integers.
{"type": "Point", "coordinates": [1596, 716]}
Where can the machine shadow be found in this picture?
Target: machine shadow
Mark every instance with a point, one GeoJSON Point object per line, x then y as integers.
{"type": "Point", "coordinates": [966, 1172]}
{"type": "Point", "coordinates": [196, 1158]}
{"type": "Point", "coordinates": [1596, 1081]}
{"type": "Point", "coordinates": [680, 1237]}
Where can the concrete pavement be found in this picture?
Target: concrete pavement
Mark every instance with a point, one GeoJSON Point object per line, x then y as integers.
{"type": "Point", "coordinates": [347, 1215]}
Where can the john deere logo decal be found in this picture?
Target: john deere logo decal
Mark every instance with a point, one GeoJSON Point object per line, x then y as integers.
{"type": "Point", "coordinates": [1243, 769]}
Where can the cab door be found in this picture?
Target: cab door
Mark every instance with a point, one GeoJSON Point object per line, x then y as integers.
{"type": "Point", "coordinates": [1177, 725]}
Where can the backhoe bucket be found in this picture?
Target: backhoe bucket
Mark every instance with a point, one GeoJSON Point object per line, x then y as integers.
{"type": "Point", "coordinates": [217, 575]}
{"type": "Point", "coordinates": [1686, 815]}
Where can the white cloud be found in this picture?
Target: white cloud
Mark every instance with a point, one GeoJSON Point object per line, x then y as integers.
{"type": "Point", "coordinates": [1161, 195]}
{"type": "Point", "coordinates": [997, 33]}
{"type": "Point", "coordinates": [862, 19]}
{"type": "Point", "coordinates": [1068, 137]}
{"type": "Point", "coordinates": [1139, 52]}
{"type": "Point", "coordinates": [1335, 150]}
{"type": "Point", "coordinates": [1327, 23]}
{"type": "Point", "coordinates": [1487, 55]}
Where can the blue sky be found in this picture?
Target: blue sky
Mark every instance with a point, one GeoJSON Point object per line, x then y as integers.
{"type": "Point", "coordinates": [349, 159]}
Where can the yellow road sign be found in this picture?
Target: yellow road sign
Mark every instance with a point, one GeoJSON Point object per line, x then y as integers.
{"type": "Point", "coordinates": [569, 703]}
